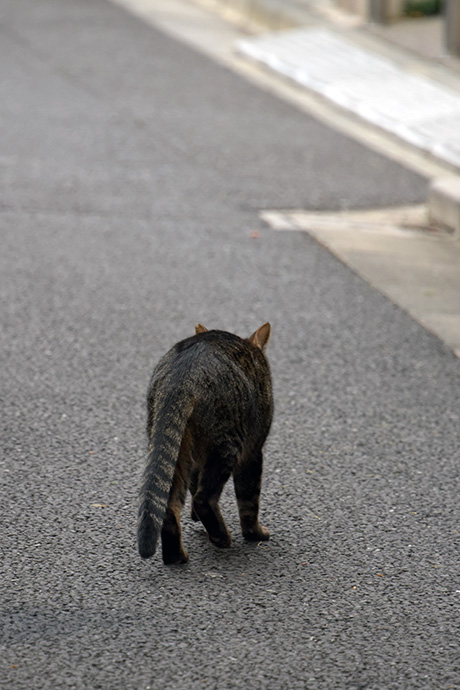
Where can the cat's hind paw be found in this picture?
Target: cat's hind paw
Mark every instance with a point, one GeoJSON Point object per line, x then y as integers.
{"type": "Point", "coordinates": [257, 533]}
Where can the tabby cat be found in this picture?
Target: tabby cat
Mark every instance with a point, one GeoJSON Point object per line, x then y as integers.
{"type": "Point", "coordinates": [209, 408]}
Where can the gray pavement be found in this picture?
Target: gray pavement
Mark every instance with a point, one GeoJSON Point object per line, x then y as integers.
{"type": "Point", "coordinates": [132, 174]}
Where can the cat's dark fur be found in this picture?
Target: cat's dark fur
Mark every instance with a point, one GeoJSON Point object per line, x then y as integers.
{"type": "Point", "coordinates": [209, 412]}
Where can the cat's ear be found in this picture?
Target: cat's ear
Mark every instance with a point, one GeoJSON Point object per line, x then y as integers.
{"type": "Point", "coordinates": [261, 336]}
{"type": "Point", "coordinates": [199, 328]}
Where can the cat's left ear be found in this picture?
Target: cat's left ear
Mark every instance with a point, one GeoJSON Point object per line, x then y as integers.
{"type": "Point", "coordinates": [199, 328]}
{"type": "Point", "coordinates": [261, 336]}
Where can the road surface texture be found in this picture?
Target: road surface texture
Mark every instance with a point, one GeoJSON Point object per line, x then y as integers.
{"type": "Point", "coordinates": [132, 172]}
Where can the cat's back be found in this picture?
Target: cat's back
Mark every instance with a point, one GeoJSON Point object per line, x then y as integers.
{"type": "Point", "coordinates": [227, 381]}
{"type": "Point", "coordinates": [219, 354]}
{"type": "Point", "coordinates": [212, 357]}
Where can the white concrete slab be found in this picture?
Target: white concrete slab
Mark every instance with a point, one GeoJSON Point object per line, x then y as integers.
{"type": "Point", "coordinates": [397, 252]}
{"type": "Point", "coordinates": [413, 107]}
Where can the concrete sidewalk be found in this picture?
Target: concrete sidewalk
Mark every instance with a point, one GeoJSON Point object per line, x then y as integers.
{"type": "Point", "coordinates": [395, 78]}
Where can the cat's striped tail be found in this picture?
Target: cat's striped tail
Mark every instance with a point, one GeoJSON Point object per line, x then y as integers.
{"type": "Point", "coordinates": [168, 431]}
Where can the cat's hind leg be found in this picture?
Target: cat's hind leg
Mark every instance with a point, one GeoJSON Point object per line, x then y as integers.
{"type": "Point", "coordinates": [215, 472]}
{"type": "Point", "coordinates": [247, 478]}
{"type": "Point", "coordinates": [171, 536]}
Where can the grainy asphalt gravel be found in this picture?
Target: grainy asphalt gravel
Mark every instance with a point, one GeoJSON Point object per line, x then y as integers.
{"type": "Point", "coordinates": [132, 170]}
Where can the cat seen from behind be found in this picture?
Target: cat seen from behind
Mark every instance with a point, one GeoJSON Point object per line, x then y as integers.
{"type": "Point", "coordinates": [209, 411]}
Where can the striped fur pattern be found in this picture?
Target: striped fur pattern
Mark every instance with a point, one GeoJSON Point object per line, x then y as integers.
{"type": "Point", "coordinates": [209, 412]}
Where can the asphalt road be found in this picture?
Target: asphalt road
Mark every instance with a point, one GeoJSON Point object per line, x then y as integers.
{"type": "Point", "coordinates": [132, 170]}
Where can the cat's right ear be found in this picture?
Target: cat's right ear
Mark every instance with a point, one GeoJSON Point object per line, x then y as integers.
{"type": "Point", "coordinates": [261, 336]}
{"type": "Point", "coordinates": [199, 328]}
